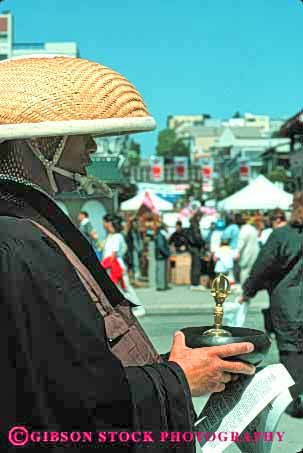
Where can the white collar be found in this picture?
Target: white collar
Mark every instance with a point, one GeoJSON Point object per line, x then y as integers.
{"type": "Point", "coordinates": [84, 221]}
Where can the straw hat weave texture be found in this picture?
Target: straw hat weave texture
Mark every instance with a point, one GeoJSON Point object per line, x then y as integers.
{"type": "Point", "coordinates": [35, 90]}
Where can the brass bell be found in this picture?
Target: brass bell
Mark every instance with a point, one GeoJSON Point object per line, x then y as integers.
{"type": "Point", "coordinates": [220, 290]}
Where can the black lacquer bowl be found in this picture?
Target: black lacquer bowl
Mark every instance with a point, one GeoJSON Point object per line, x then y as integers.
{"type": "Point", "coordinates": [262, 342]}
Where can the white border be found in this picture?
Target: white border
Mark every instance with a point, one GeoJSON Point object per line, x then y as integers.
{"type": "Point", "coordinates": [108, 126]}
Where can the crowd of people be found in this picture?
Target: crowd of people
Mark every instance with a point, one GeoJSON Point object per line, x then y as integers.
{"type": "Point", "coordinates": [254, 252]}
{"type": "Point", "coordinates": [230, 246]}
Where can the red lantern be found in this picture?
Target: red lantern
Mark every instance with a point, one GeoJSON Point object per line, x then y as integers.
{"type": "Point", "coordinates": [156, 171]}
{"type": "Point", "coordinates": [244, 172]}
{"type": "Point", "coordinates": [180, 170]}
{"type": "Point", "coordinates": [207, 172]}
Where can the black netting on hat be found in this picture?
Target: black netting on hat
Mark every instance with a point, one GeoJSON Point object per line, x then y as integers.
{"type": "Point", "coordinates": [13, 155]}
{"type": "Point", "coordinates": [15, 161]}
{"type": "Point", "coordinates": [47, 145]}
{"type": "Point", "coordinates": [12, 161]}
{"type": "Point", "coordinates": [15, 164]}
{"type": "Point", "coordinates": [15, 167]}
{"type": "Point", "coordinates": [12, 167]}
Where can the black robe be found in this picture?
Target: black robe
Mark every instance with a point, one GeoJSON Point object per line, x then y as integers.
{"type": "Point", "coordinates": [57, 370]}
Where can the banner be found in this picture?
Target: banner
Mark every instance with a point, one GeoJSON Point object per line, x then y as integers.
{"type": "Point", "coordinates": [157, 169]}
{"type": "Point", "coordinates": [180, 169]}
{"type": "Point", "coordinates": [207, 172]}
{"type": "Point", "coordinates": [244, 172]}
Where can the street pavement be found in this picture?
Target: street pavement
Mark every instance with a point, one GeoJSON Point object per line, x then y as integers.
{"type": "Point", "coordinates": [169, 311]}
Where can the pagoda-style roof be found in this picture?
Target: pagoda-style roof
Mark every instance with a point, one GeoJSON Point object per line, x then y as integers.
{"type": "Point", "coordinates": [293, 126]}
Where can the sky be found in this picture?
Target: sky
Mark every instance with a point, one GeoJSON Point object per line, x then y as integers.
{"type": "Point", "coordinates": [185, 57]}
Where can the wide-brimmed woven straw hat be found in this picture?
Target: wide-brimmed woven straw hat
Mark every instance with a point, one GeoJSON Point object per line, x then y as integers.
{"type": "Point", "coordinates": [53, 96]}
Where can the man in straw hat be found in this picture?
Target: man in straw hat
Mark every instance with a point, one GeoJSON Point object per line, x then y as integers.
{"type": "Point", "coordinates": [73, 357]}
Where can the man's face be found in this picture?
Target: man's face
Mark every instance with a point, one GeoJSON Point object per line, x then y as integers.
{"type": "Point", "coordinates": [76, 154]}
{"type": "Point", "coordinates": [75, 158]}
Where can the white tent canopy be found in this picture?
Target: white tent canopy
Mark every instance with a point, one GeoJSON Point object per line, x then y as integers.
{"type": "Point", "coordinates": [259, 194]}
{"type": "Point", "coordinates": [135, 203]}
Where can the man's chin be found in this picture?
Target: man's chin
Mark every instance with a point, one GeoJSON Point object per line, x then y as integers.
{"type": "Point", "coordinates": [65, 184]}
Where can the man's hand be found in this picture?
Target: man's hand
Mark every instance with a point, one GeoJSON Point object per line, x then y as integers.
{"type": "Point", "coordinates": [205, 369]}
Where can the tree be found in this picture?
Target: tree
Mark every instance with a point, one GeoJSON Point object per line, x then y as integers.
{"type": "Point", "coordinates": [133, 153]}
{"type": "Point", "coordinates": [181, 148]}
{"type": "Point", "coordinates": [279, 174]}
{"type": "Point", "coordinates": [133, 158]}
{"type": "Point", "coordinates": [169, 145]}
{"type": "Point", "coordinates": [135, 146]}
{"type": "Point", "coordinates": [223, 187]}
{"type": "Point", "coordinates": [194, 191]}
{"type": "Point", "coordinates": [166, 140]}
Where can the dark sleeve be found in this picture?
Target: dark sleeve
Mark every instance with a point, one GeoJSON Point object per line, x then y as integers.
{"type": "Point", "coordinates": [184, 237]}
{"type": "Point", "coordinates": [198, 238]}
{"type": "Point", "coordinates": [172, 238]}
{"type": "Point", "coordinates": [265, 266]}
{"type": "Point", "coordinates": [163, 246]}
{"type": "Point", "coordinates": [161, 400]}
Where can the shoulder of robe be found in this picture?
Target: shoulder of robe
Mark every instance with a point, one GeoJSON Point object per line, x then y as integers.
{"type": "Point", "coordinates": [13, 229]}
{"type": "Point", "coordinates": [282, 233]}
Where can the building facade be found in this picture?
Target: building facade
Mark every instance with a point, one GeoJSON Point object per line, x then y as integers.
{"type": "Point", "coordinates": [175, 121]}
{"type": "Point", "coordinates": [293, 129]}
{"type": "Point", "coordinates": [229, 144]}
{"type": "Point", "coordinates": [9, 48]}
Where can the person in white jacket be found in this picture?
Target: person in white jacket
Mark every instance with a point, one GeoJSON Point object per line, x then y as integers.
{"type": "Point", "coordinates": [248, 246]}
{"type": "Point", "coordinates": [115, 246]}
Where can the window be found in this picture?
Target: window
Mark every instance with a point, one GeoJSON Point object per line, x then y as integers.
{"type": "Point", "coordinates": [3, 28]}
{"type": "Point", "coordinates": [3, 25]}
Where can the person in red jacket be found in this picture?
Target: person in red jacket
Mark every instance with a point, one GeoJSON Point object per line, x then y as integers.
{"type": "Point", "coordinates": [116, 271]}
